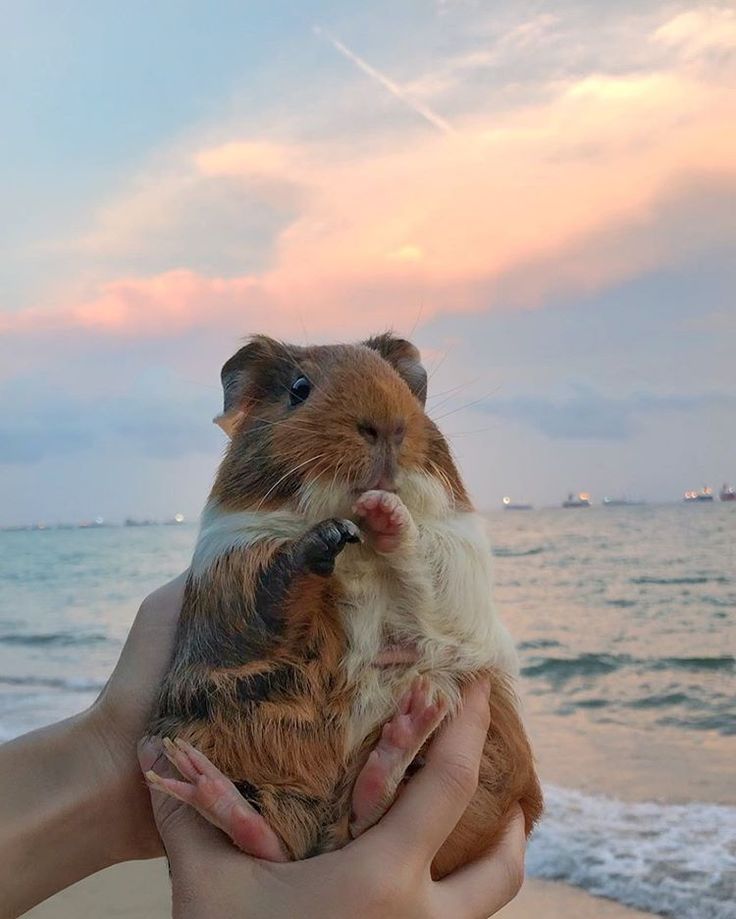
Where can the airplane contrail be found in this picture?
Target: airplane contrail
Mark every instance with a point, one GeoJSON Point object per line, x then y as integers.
{"type": "Point", "coordinates": [388, 84]}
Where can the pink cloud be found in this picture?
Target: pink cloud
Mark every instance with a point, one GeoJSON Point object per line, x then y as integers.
{"type": "Point", "coordinates": [502, 206]}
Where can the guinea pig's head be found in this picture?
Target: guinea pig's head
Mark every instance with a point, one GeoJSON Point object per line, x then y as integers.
{"type": "Point", "coordinates": [313, 427]}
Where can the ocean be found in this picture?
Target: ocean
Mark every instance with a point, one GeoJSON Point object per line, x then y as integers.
{"type": "Point", "coordinates": [626, 627]}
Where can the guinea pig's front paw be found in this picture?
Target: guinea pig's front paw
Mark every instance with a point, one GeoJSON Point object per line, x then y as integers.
{"type": "Point", "coordinates": [385, 518]}
{"type": "Point", "coordinates": [324, 542]}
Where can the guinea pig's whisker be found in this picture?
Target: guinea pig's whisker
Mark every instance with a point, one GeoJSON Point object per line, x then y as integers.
{"type": "Point", "coordinates": [438, 364]}
{"type": "Point", "coordinates": [448, 393]}
{"type": "Point", "coordinates": [334, 474]}
{"type": "Point", "coordinates": [460, 408]}
{"type": "Point", "coordinates": [286, 476]}
{"type": "Point", "coordinates": [306, 425]}
{"type": "Point", "coordinates": [442, 476]}
{"type": "Point", "coordinates": [464, 433]}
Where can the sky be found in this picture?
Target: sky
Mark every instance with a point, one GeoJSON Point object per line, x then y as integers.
{"type": "Point", "coordinates": [542, 196]}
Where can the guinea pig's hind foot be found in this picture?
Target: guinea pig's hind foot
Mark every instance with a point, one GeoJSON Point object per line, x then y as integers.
{"type": "Point", "coordinates": [214, 796]}
{"type": "Point", "coordinates": [386, 767]}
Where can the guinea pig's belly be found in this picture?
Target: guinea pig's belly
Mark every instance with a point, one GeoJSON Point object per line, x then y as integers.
{"type": "Point", "coordinates": [388, 646]}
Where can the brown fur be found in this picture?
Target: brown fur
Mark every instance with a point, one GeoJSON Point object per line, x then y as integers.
{"type": "Point", "coordinates": [257, 683]}
{"type": "Point", "coordinates": [274, 722]}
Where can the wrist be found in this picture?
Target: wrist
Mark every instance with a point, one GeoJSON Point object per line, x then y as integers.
{"type": "Point", "coordinates": [56, 822]}
{"type": "Point", "coordinates": [123, 802]}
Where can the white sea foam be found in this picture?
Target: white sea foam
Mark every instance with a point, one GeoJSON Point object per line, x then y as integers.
{"type": "Point", "coordinates": [676, 860]}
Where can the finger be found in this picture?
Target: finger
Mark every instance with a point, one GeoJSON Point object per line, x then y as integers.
{"type": "Point", "coordinates": [436, 797]}
{"type": "Point", "coordinates": [482, 888]}
{"type": "Point", "coordinates": [150, 752]}
{"type": "Point", "coordinates": [185, 834]}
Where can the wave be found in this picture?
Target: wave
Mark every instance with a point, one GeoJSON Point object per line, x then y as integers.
{"type": "Point", "coordinates": [694, 579]}
{"type": "Point", "coordinates": [60, 639]}
{"type": "Point", "coordinates": [74, 684]}
{"type": "Point", "coordinates": [538, 643]}
{"type": "Point", "coordinates": [504, 552]}
{"type": "Point", "coordinates": [723, 722]}
{"type": "Point", "coordinates": [725, 662]}
{"type": "Point", "coordinates": [676, 860]}
{"type": "Point", "coordinates": [561, 669]}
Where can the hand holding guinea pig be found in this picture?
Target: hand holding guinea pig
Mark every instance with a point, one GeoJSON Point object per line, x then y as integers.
{"type": "Point", "coordinates": [338, 603]}
{"type": "Point", "coordinates": [384, 874]}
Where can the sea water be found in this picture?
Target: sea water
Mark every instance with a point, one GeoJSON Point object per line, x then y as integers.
{"type": "Point", "coordinates": [624, 616]}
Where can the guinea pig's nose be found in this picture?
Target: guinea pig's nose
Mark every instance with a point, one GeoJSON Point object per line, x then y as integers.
{"type": "Point", "coordinates": [395, 431]}
{"type": "Point", "coordinates": [368, 432]}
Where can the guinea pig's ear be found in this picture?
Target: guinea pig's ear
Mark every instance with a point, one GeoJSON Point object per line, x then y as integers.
{"type": "Point", "coordinates": [235, 376]}
{"type": "Point", "coordinates": [405, 359]}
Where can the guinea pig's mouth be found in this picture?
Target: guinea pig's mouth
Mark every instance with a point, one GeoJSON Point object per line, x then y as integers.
{"type": "Point", "coordinates": [357, 492]}
{"type": "Point", "coordinates": [381, 483]}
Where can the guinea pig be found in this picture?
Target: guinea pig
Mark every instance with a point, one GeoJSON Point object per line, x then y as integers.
{"type": "Point", "coordinates": [339, 600]}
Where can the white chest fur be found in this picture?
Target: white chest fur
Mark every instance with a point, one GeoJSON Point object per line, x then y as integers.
{"type": "Point", "coordinates": [436, 595]}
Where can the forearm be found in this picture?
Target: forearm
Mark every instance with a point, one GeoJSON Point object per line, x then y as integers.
{"type": "Point", "coordinates": [60, 818]}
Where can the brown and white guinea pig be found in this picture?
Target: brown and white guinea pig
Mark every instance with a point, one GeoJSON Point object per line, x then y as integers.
{"type": "Point", "coordinates": [295, 641]}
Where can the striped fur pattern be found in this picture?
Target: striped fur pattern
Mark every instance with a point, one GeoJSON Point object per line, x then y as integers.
{"type": "Point", "coordinates": [275, 674]}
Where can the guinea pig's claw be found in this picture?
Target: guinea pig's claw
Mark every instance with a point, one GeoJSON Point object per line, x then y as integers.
{"type": "Point", "coordinates": [354, 533]}
{"type": "Point", "coordinates": [324, 542]}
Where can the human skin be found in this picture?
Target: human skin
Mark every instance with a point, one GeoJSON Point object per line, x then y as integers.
{"type": "Point", "coordinates": [74, 802]}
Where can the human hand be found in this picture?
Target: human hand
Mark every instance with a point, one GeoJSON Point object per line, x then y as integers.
{"type": "Point", "coordinates": [119, 717]}
{"type": "Point", "coordinates": [385, 873]}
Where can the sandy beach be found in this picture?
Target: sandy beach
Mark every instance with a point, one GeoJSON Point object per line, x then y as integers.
{"type": "Point", "coordinates": [141, 891]}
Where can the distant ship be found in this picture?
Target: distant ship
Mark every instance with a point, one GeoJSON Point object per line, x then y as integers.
{"type": "Point", "coordinates": [698, 497]}
{"type": "Point", "coordinates": [728, 493]}
{"type": "Point", "coordinates": [621, 502]}
{"type": "Point", "coordinates": [175, 520]}
{"type": "Point", "coordinates": [509, 505]}
{"type": "Point", "coordinates": [582, 499]}
{"type": "Point", "coordinates": [91, 524]}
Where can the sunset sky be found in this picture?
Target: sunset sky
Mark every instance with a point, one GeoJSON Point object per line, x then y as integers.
{"type": "Point", "coordinates": [541, 195]}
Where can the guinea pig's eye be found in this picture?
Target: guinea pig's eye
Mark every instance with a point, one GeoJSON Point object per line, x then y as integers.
{"type": "Point", "coordinates": [299, 391]}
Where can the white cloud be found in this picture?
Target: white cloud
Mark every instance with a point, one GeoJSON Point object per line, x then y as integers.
{"type": "Point", "coordinates": [698, 31]}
